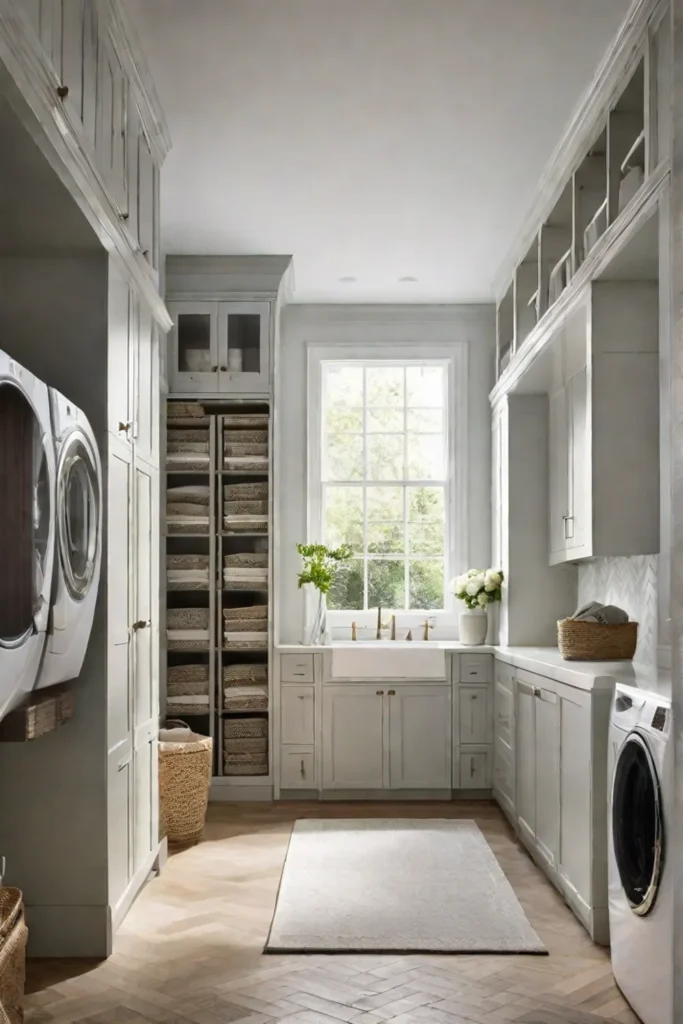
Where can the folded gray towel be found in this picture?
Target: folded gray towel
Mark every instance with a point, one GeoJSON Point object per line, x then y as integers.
{"type": "Point", "coordinates": [605, 614]}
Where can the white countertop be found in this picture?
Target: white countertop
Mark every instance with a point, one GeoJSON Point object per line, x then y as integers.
{"type": "Point", "coordinates": [584, 675]}
{"type": "Point", "coordinates": [451, 646]}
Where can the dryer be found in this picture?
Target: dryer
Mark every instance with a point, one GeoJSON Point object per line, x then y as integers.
{"type": "Point", "coordinates": [78, 542]}
{"type": "Point", "coordinates": [640, 879]}
{"type": "Point", "coordinates": [27, 528]}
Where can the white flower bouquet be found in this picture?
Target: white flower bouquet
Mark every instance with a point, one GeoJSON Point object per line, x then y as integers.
{"type": "Point", "coordinates": [478, 588]}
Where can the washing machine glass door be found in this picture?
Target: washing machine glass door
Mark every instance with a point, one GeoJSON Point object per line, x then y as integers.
{"type": "Point", "coordinates": [25, 518]}
{"type": "Point", "coordinates": [637, 825]}
{"type": "Point", "coordinates": [78, 500]}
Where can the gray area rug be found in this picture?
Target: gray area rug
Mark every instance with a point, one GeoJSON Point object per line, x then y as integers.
{"type": "Point", "coordinates": [396, 885]}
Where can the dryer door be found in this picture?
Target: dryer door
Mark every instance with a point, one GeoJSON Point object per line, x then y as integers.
{"type": "Point", "coordinates": [637, 824]}
{"type": "Point", "coordinates": [78, 514]}
{"type": "Point", "coordinates": [26, 537]}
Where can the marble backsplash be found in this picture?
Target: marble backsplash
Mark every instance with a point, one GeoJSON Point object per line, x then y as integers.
{"type": "Point", "coordinates": [630, 583]}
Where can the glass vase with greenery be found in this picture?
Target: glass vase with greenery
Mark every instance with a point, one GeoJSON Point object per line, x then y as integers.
{"type": "Point", "coordinates": [320, 564]}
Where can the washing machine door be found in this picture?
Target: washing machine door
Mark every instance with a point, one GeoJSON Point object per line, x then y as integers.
{"type": "Point", "coordinates": [637, 824]}
{"type": "Point", "coordinates": [78, 514]}
{"type": "Point", "coordinates": [27, 471]}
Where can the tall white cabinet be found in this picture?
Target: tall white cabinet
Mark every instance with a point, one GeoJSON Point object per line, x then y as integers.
{"type": "Point", "coordinates": [80, 88]}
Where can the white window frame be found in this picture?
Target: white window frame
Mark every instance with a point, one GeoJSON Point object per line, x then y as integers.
{"type": "Point", "coordinates": [454, 357]}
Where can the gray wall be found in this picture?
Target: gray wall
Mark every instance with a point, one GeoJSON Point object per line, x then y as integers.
{"type": "Point", "coordinates": [53, 827]}
{"type": "Point", "coordinates": [375, 326]}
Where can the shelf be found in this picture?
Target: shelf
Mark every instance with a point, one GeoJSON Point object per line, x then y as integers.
{"type": "Point", "coordinates": [188, 472]}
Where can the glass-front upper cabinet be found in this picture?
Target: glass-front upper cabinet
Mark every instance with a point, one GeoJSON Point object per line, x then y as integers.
{"type": "Point", "coordinates": [219, 348]}
{"type": "Point", "coordinates": [244, 333]}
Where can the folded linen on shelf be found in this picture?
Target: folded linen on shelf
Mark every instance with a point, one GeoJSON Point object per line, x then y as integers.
{"type": "Point", "coordinates": [237, 637]}
{"type": "Point", "coordinates": [247, 559]}
{"type": "Point", "coordinates": [187, 634]}
{"type": "Point", "coordinates": [245, 698]}
{"type": "Point", "coordinates": [190, 494]}
{"type": "Point", "coordinates": [257, 491]}
{"type": "Point", "coordinates": [234, 728]}
{"type": "Point", "coordinates": [254, 612]}
{"type": "Point", "coordinates": [245, 519]}
{"type": "Point", "coordinates": [184, 680]}
{"type": "Point", "coordinates": [187, 618]}
{"type": "Point", "coordinates": [187, 446]}
{"type": "Point", "coordinates": [187, 576]}
{"type": "Point", "coordinates": [176, 458]}
{"type": "Point", "coordinates": [245, 574]}
{"type": "Point", "coordinates": [237, 675]}
{"type": "Point", "coordinates": [185, 508]}
{"type": "Point", "coordinates": [242, 460]}
{"type": "Point", "coordinates": [189, 698]}
{"type": "Point", "coordinates": [187, 562]}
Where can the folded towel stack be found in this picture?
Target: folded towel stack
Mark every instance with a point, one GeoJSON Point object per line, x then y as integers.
{"type": "Point", "coordinates": [188, 681]}
{"type": "Point", "coordinates": [247, 727]}
{"type": "Point", "coordinates": [245, 746]}
{"type": "Point", "coordinates": [605, 614]}
{"type": "Point", "coordinates": [244, 675]}
{"type": "Point", "coordinates": [187, 449]}
{"type": "Point", "coordinates": [185, 411]}
{"type": "Point", "coordinates": [245, 442]}
{"type": "Point", "coordinates": [246, 570]}
{"type": "Point", "coordinates": [187, 572]}
{"type": "Point", "coordinates": [246, 627]}
{"type": "Point", "coordinates": [187, 629]}
{"type": "Point", "coordinates": [187, 509]}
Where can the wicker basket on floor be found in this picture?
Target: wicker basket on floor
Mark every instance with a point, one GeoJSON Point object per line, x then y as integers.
{"type": "Point", "coordinates": [13, 936]}
{"type": "Point", "coordinates": [185, 763]}
{"type": "Point", "coordinates": [591, 641]}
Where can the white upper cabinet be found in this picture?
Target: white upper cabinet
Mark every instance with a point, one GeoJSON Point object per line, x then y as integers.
{"type": "Point", "coordinates": [193, 347]}
{"type": "Point", "coordinates": [604, 426]}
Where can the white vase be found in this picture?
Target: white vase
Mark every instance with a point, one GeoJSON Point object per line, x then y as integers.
{"type": "Point", "coordinates": [316, 633]}
{"type": "Point", "coordinates": [474, 625]}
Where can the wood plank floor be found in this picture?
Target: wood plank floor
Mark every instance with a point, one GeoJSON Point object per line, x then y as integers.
{"type": "Point", "coordinates": [191, 947]}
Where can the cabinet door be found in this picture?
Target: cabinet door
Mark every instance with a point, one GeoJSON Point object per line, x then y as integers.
{"type": "Point", "coordinates": [146, 403]}
{"type": "Point", "coordinates": [119, 821]}
{"type": "Point", "coordinates": [119, 596]}
{"type": "Point", "coordinates": [558, 473]}
{"type": "Point", "coordinates": [475, 769]}
{"type": "Point", "coordinates": [79, 63]}
{"type": "Point", "coordinates": [193, 347]}
{"type": "Point", "coordinates": [353, 737]}
{"type": "Point", "coordinates": [147, 200]}
{"type": "Point", "coordinates": [419, 737]}
{"type": "Point", "coordinates": [46, 18]}
{"type": "Point", "coordinates": [496, 490]}
{"type": "Point", "coordinates": [474, 714]}
{"type": "Point", "coordinates": [244, 347]}
{"type": "Point", "coordinates": [122, 315]}
{"type": "Point", "coordinates": [144, 629]}
{"type": "Point", "coordinates": [525, 757]}
{"type": "Point", "coordinates": [547, 823]}
{"type": "Point", "coordinates": [502, 713]}
{"type": "Point", "coordinates": [578, 522]}
{"type": "Point", "coordinates": [297, 768]}
{"type": "Point", "coordinates": [111, 132]}
{"type": "Point", "coordinates": [296, 714]}
{"type": "Point", "coordinates": [576, 763]}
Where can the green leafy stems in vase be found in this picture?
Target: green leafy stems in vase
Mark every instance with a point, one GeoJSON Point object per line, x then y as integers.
{"type": "Point", "coordinates": [320, 564]}
{"type": "Point", "coordinates": [479, 588]}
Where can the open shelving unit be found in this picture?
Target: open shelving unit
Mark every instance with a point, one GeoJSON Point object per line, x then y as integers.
{"type": "Point", "coordinates": [593, 201]}
{"type": "Point", "coordinates": [231, 538]}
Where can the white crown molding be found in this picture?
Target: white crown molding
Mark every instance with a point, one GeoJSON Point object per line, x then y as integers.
{"type": "Point", "coordinates": [127, 46]}
{"type": "Point", "coordinates": [579, 133]}
{"type": "Point", "coordinates": [402, 314]}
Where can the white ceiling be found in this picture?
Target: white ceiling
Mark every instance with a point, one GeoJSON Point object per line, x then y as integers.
{"type": "Point", "coordinates": [372, 139]}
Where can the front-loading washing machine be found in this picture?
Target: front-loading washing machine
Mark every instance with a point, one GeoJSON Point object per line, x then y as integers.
{"type": "Point", "coordinates": [640, 879]}
{"type": "Point", "coordinates": [27, 528]}
{"type": "Point", "coordinates": [78, 542]}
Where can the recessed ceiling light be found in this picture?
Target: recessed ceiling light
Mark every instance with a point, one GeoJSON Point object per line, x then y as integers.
{"type": "Point", "coordinates": [407, 280]}
{"type": "Point", "coordinates": [347, 280]}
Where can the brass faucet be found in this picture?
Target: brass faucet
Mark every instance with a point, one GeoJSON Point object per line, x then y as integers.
{"type": "Point", "coordinates": [379, 623]}
{"type": "Point", "coordinates": [426, 631]}
{"type": "Point", "coordinates": [393, 627]}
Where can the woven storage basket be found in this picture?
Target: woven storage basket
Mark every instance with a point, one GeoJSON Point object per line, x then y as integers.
{"type": "Point", "coordinates": [188, 446]}
{"type": "Point", "coordinates": [234, 675]}
{"type": "Point", "coordinates": [191, 460]}
{"type": "Point", "coordinates": [247, 526]}
{"type": "Point", "coordinates": [184, 410]}
{"type": "Point", "coordinates": [236, 728]}
{"type": "Point", "coordinates": [247, 559]}
{"type": "Point", "coordinates": [245, 437]}
{"type": "Point", "coordinates": [185, 764]}
{"type": "Point", "coordinates": [187, 618]}
{"type": "Point", "coordinates": [242, 450]}
{"type": "Point", "coordinates": [258, 701]}
{"type": "Point", "coordinates": [185, 508]}
{"type": "Point", "coordinates": [591, 641]}
{"type": "Point", "coordinates": [244, 420]}
{"type": "Point", "coordinates": [246, 492]}
{"type": "Point", "coordinates": [245, 508]}
{"type": "Point", "coordinates": [248, 745]}
{"type": "Point", "coordinates": [187, 561]}
{"type": "Point", "coordinates": [189, 495]}
{"type": "Point", "coordinates": [245, 769]}
{"type": "Point", "coordinates": [254, 611]}
{"type": "Point", "coordinates": [191, 434]}
{"type": "Point", "coordinates": [13, 937]}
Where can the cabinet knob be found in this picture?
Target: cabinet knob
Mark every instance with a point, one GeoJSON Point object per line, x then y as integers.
{"type": "Point", "coordinates": [301, 697]}
{"type": "Point", "coordinates": [379, 693]}
{"type": "Point", "coordinates": [214, 369]}
{"type": "Point", "coordinates": [224, 369]}
{"type": "Point", "coordinates": [125, 427]}
{"type": "Point", "coordinates": [62, 91]}
{"type": "Point", "coordinates": [303, 769]}
{"type": "Point", "coordinates": [537, 692]}
{"type": "Point", "coordinates": [141, 624]}
{"type": "Point", "coordinates": [392, 693]}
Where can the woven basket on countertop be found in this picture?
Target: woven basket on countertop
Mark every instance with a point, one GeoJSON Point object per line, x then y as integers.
{"type": "Point", "coordinates": [591, 641]}
{"type": "Point", "coordinates": [13, 936]}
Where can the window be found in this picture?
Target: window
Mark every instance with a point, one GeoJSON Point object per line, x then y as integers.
{"type": "Point", "coordinates": [385, 482]}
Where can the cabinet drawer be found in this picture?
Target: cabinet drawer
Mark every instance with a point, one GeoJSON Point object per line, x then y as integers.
{"type": "Point", "coordinates": [502, 722]}
{"type": "Point", "coordinates": [296, 668]}
{"type": "Point", "coordinates": [475, 769]}
{"type": "Point", "coordinates": [475, 668]}
{"type": "Point", "coordinates": [297, 767]}
{"type": "Point", "coordinates": [296, 714]}
{"type": "Point", "coordinates": [474, 713]}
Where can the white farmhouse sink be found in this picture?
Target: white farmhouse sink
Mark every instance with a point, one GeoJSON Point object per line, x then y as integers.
{"type": "Point", "coordinates": [387, 659]}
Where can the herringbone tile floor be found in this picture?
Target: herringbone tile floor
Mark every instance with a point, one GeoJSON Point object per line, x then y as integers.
{"type": "Point", "coordinates": [190, 951]}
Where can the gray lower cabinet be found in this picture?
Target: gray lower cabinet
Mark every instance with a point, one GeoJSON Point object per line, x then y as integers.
{"type": "Point", "coordinates": [556, 753]}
